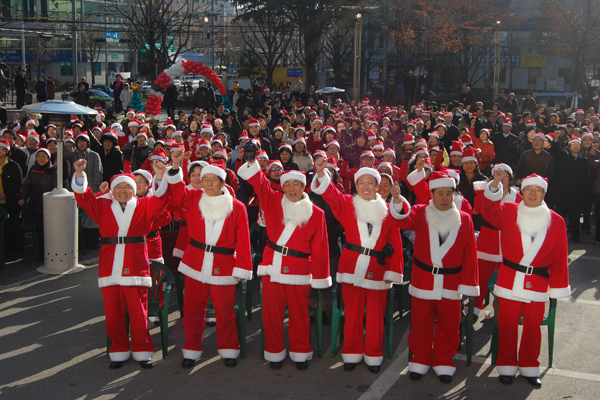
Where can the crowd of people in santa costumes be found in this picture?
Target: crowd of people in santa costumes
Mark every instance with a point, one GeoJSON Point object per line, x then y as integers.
{"type": "Point", "coordinates": [445, 257]}
{"type": "Point", "coordinates": [295, 259]}
{"type": "Point", "coordinates": [124, 274]}
{"type": "Point", "coordinates": [534, 267]}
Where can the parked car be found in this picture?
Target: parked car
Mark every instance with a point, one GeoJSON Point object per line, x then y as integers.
{"type": "Point", "coordinates": [560, 98]}
{"type": "Point", "coordinates": [98, 96]}
{"type": "Point", "coordinates": [145, 87]}
{"type": "Point", "coordinates": [105, 88]}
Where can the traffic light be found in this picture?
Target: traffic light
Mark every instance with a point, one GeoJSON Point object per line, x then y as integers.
{"type": "Point", "coordinates": [101, 40]}
{"type": "Point", "coordinates": [124, 40]}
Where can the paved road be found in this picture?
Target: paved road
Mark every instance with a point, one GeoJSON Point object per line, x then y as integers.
{"type": "Point", "coordinates": [52, 339]}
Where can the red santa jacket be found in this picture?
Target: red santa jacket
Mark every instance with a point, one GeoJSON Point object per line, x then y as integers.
{"type": "Point", "coordinates": [219, 221]}
{"type": "Point", "coordinates": [302, 227]}
{"type": "Point", "coordinates": [459, 249]}
{"type": "Point", "coordinates": [421, 188]}
{"type": "Point", "coordinates": [354, 214]}
{"type": "Point", "coordinates": [488, 242]}
{"type": "Point", "coordinates": [122, 264]}
{"type": "Point", "coordinates": [539, 240]}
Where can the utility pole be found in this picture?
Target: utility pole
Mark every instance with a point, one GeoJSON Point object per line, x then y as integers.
{"type": "Point", "coordinates": [75, 63]}
{"type": "Point", "coordinates": [212, 33]}
{"type": "Point", "coordinates": [82, 66]}
{"type": "Point", "coordinates": [357, 55]}
{"type": "Point", "coordinates": [106, 45]}
{"type": "Point", "coordinates": [497, 39]}
{"type": "Point", "coordinates": [23, 63]}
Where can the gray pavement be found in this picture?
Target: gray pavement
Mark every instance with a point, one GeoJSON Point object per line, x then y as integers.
{"type": "Point", "coordinates": [52, 346]}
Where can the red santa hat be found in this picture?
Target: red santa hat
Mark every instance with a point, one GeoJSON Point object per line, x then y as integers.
{"type": "Point", "coordinates": [456, 149]}
{"type": "Point", "coordinates": [367, 171]}
{"type": "Point", "coordinates": [300, 128]}
{"type": "Point", "coordinates": [274, 163]}
{"type": "Point", "coordinates": [378, 145]}
{"type": "Point", "coordinates": [389, 151]}
{"type": "Point", "coordinates": [74, 119]}
{"type": "Point", "coordinates": [441, 179]}
{"type": "Point", "coordinates": [206, 128]}
{"type": "Point", "coordinates": [169, 142]}
{"type": "Point", "coordinates": [159, 154]}
{"type": "Point", "coordinates": [409, 139]}
{"type": "Point", "coordinates": [466, 140]}
{"type": "Point", "coordinates": [502, 166]}
{"type": "Point", "coordinates": [507, 122]}
{"type": "Point", "coordinates": [278, 128]}
{"type": "Point", "coordinates": [201, 163]}
{"type": "Point", "coordinates": [300, 140]}
{"type": "Point", "coordinates": [574, 139]}
{"type": "Point", "coordinates": [79, 124]}
{"type": "Point", "coordinates": [140, 114]}
{"type": "Point", "coordinates": [435, 134]}
{"type": "Point", "coordinates": [551, 138]}
{"type": "Point", "coordinates": [422, 150]}
{"type": "Point", "coordinates": [177, 133]}
{"type": "Point", "coordinates": [123, 178]}
{"type": "Point", "coordinates": [97, 106]}
{"type": "Point", "coordinates": [254, 122]}
{"type": "Point", "coordinates": [535, 180]}
{"type": "Point", "coordinates": [370, 135]}
{"type": "Point", "coordinates": [384, 164]}
{"type": "Point", "coordinates": [412, 123]}
{"type": "Point", "coordinates": [202, 143]}
{"type": "Point", "coordinates": [421, 143]}
{"type": "Point", "coordinates": [35, 136]}
{"type": "Point", "coordinates": [285, 146]}
{"type": "Point", "coordinates": [115, 126]}
{"type": "Point", "coordinates": [170, 124]}
{"type": "Point", "coordinates": [332, 163]}
{"type": "Point", "coordinates": [333, 142]}
{"type": "Point", "coordinates": [580, 111]}
{"type": "Point", "coordinates": [5, 143]}
{"type": "Point", "coordinates": [262, 155]}
{"type": "Point", "coordinates": [143, 134]}
{"type": "Point", "coordinates": [175, 146]}
{"type": "Point", "coordinates": [147, 175]}
{"type": "Point", "coordinates": [130, 111]}
{"type": "Point", "coordinates": [469, 154]}
{"type": "Point", "coordinates": [319, 153]}
{"type": "Point", "coordinates": [220, 152]}
{"type": "Point", "coordinates": [29, 121]}
{"type": "Point", "coordinates": [530, 122]}
{"type": "Point", "coordinates": [452, 172]}
{"type": "Point", "coordinates": [215, 169]}
{"type": "Point", "coordinates": [133, 122]}
{"type": "Point", "coordinates": [50, 126]}
{"type": "Point", "coordinates": [243, 136]}
{"type": "Point", "coordinates": [538, 135]}
{"type": "Point", "coordinates": [587, 134]}
{"type": "Point", "coordinates": [367, 153]}
{"type": "Point", "coordinates": [297, 175]}
{"type": "Point", "coordinates": [217, 141]}
{"type": "Point", "coordinates": [328, 128]}
{"type": "Point", "coordinates": [419, 121]}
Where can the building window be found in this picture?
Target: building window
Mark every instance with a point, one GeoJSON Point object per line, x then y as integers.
{"type": "Point", "coordinates": [502, 74]}
{"type": "Point", "coordinates": [66, 69]}
{"type": "Point", "coordinates": [97, 69]}
{"type": "Point", "coordinates": [534, 73]}
{"type": "Point", "coordinates": [566, 73]}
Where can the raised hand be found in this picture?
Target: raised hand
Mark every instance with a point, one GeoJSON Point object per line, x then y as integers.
{"type": "Point", "coordinates": [187, 155]}
{"type": "Point", "coordinates": [176, 158]}
{"type": "Point", "coordinates": [395, 191]}
{"type": "Point", "coordinates": [104, 187]}
{"type": "Point", "coordinates": [250, 149]}
{"type": "Point", "coordinates": [159, 169]}
{"type": "Point", "coordinates": [320, 165]}
{"type": "Point", "coordinates": [79, 166]}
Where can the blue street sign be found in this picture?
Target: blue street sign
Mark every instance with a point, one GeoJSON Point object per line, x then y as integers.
{"type": "Point", "coordinates": [108, 33]}
{"type": "Point", "coordinates": [294, 72]}
{"type": "Point", "coordinates": [234, 70]}
{"type": "Point", "coordinates": [112, 35]}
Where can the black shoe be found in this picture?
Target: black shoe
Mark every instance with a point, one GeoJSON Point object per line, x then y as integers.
{"type": "Point", "coordinates": [326, 320]}
{"type": "Point", "coordinates": [187, 363]}
{"type": "Point", "coordinates": [445, 378]}
{"type": "Point", "coordinates": [302, 366]}
{"type": "Point", "coordinates": [116, 364]}
{"type": "Point", "coordinates": [535, 381]}
{"type": "Point", "coordinates": [374, 369]}
{"type": "Point", "coordinates": [415, 376]}
{"type": "Point", "coordinates": [211, 324]}
{"type": "Point", "coordinates": [349, 366]}
{"type": "Point", "coordinates": [506, 379]}
{"type": "Point", "coordinates": [276, 365]}
{"type": "Point", "coordinates": [146, 364]}
{"type": "Point", "coordinates": [230, 362]}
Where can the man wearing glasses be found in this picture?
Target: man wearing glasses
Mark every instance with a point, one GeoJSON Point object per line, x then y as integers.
{"type": "Point", "coordinates": [534, 268]}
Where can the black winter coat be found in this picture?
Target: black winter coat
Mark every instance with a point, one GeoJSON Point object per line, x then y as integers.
{"type": "Point", "coordinates": [12, 182]}
{"type": "Point", "coordinates": [39, 181]}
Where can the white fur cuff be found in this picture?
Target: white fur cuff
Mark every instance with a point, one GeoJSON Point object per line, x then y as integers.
{"type": "Point", "coordinates": [558, 293]}
{"type": "Point", "coordinates": [162, 186]}
{"type": "Point", "coordinates": [323, 184]}
{"type": "Point", "coordinates": [394, 277]}
{"type": "Point", "coordinates": [248, 171]}
{"type": "Point", "coordinates": [173, 178]}
{"type": "Point", "coordinates": [397, 209]}
{"type": "Point", "coordinates": [79, 189]}
{"type": "Point", "coordinates": [471, 291]}
{"type": "Point", "coordinates": [242, 273]}
{"type": "Point", "coordinates": [321, 283]}
{"type": "Point", "coordinates": [493, 196]}
{"type": "Point", "coordinates": [416, 176]}
{"type": "Point", "coordinates": [479, 186]}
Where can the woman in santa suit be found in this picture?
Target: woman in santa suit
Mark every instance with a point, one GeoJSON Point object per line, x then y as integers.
{"type": "Point", "coordinates": [123, 267]}
{"type": "Point", "coordinates": [370, 263]}
{"type": "Point", "coordinates": [216, 258]}
{"type": "Point", "coordinates": [534, 268]}
{"type": "Point", "coordinates": [296, 258]}
{"type": "Point", "coordinates": [489, 255]}
{"type": "Point", "coordinates": [420, 185]}
{"type": "Point", "coordinates": [445, 258]}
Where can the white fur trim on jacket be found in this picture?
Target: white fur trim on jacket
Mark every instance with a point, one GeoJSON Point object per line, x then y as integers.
{"type": "Point", "coordinates": [77, 188]}
{"type": "Point", "coordinates": [297, 212]}
{"type": "Point", "coordinates": [321, 283]}
{"type": "Point", "coordinates": [489, 257]}
{"type": "Point", "coordinates": [558, 293]}
{"type": "Point", "coordinates": [275, 357]}
{"type": "Point", "coordinates": [323, 184]}
{"type": "Point", "coordinates": [480, 185]}
{"type": "Point", "coordinates": [173, 178]}
{"type": "Point", "coordinates": [493, 196]}
{"type": "Point", "coordinates": [247, 171]}
{"type": "Point", "coordinates": [243, 274]}
{"type": "Point", "coordinates": [352, 279]}
{"type": "Point", "coordinates": [200, 276]}
{"type": "Point", "coordinates": [394, 277]}
{"type": "Point", "coordinates": [396, 209]}
{"type": "Point", "coordinates": [162, 186]}
{"type": "Point", "coordinates": [416, 176]}
{"type": "Point", "coordinates": [471, 291]}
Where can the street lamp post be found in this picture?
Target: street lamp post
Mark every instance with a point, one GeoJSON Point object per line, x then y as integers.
{"type": "Point", "coordinates": [497, 40]}
{"type": "Point", "coordinates": [357, 56]}
{"type": "Point", "coordinates": [74, 65]}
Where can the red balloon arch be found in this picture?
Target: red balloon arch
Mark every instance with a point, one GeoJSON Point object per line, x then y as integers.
{"type": "Point", "coordinates": [155, 98]}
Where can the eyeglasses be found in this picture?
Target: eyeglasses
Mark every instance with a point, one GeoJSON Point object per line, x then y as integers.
{"type": "Point", "coordinates": [276, 169]}
{"type": "Point", "coordinates": [210, 180]}
{"type": "Point", "coordinates": [537, 190]}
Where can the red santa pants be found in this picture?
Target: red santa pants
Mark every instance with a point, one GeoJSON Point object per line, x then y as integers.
{"type": "Point", "coordinates": [486, 269]}
{"type": "Point", "coordinates": [118, 300]}
{"type": "Point", "coordinates": [183, 239]}
{"type": "Point", "coordinates": [427, 316]}
{"type": "Point", "coordinates": [509, 316]}
{"type": "Point", "coordinates": [355, 301]}
{"type": "Point", "coordinates": [275, 297]}
{"type": "Point", "coordinates": [194, 311]}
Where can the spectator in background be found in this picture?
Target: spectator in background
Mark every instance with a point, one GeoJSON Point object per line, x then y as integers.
{"type": "Point", "coordinates": [501, 101]}
{"type": "Point", "coordinates": [40, 89]}
{"type": "Point", "coordinates": [410, 86]}
{"type": "Point", "coordinates": [376, 92]}
{"type": "Point", "coordinates": [574, 102]}
{"type": "Point", "coordinates": [125, 97]}
{"type": "Point", "coordinates": [81, 96]}
{"type": "Point", "coordinates": [205, 96]}
{"type": "Point", "coordinates": [50, 88]}
{"type": "Point", "coordinates": [422, 94]}
{"type": "Point", "coordinates": [426, 80]}
{"type": "Point", "coordinates": [391, 90]}
{"type": "Point", "coordinates": [505, 145]}
{"type": "Point", "coordinates": [466, 97]}
{"type": "Point", "coordinates": [83, 83]}
{"type": "Point", "coordinates": [21, 87]}
{"type": "Point", "coordinates": [512, 105]}
{"type": "Point", "coordinates": [3, 115]}
{"type": "Point", "coordinates": [118, 85]}
{"type": "Point", "coordinates": [11, 182]}
{"type": "Point", "coordinates": [535, 161]}
{"type": "Point", "coordinates": [528, 103]}
{"type": "Point", "coordinates": [171, 100]}
{"type": "Point", "coordinates": [297, 82]}
{"type": "Point", "coordinates": [17, 153]}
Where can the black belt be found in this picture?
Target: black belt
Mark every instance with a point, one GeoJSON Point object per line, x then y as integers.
{"type": "Point", "coordinates": [539, 271]}
{"type": "Point", "coordinates": [286, 251]}
{"type": "Point", "coordinates": [152, 235]}
{"type": "Point", "coordinates": [124, 240]}
{"type": "Point", "coordinates": [212, 249]}
{"type": "Point", "coordinates": [437, 270]}
{"type": "Point", "coordinates": [488, 225]}
{"type": "Point", "coordinates": [183, 223]}
{"type": "Point", "coordinates": [365, 251]}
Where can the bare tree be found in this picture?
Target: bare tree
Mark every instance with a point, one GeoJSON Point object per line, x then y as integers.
{"type": "Point", "coordinates": [338, 44]}
{"type": "Point", "coordinates": [90, 49]}
{"type": "Point", "coordinates": [40, 52]}
{"type": "Point", "coordinates": [155, 27]}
